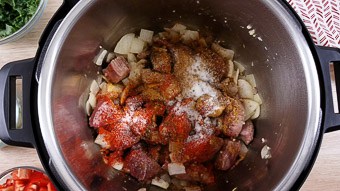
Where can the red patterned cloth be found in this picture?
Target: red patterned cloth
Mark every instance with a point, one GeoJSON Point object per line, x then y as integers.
{"type": "Point", "coordinates": [322, 19]}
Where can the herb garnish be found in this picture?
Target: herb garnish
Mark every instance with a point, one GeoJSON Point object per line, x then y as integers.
{"type": "Point", "coordinates": [14, 14]}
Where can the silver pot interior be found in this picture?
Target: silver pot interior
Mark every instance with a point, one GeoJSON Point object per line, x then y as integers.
{"type": "Point", "coordinates": [281, 62]}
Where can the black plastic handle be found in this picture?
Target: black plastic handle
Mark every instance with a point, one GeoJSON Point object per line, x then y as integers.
{"type": "Point", "coordinates": [25, 69]}
{"type": "Point", "coordinates": [9, 132]}
{"type": "Point", "coordinates": [326, 56]}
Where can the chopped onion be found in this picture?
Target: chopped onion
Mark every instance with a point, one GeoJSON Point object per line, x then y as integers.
{"type": "Point", "coordinates": [179, 28]}
{"type": "Point", "coordinates": [236, 75]}
{"type": "Point", "coordinates": [98, 60]}
{"type": "Point", "coordinates": [251, 79]}
{"type": "Point", "coordinates": [124, 44]}
{"type": "Point", "coordinates": [118, 165]}
{"type": "Point", "coordinates": [103, 86]}
{"type": "Point", "coordinates": [227, 54]}
{"type": "Point", "coordinates": [146, 35]}
{"type": "Point", "coordinates": [189, 36]}
{"type": "Point", "coordinates": [131, 58]}
{"type": "Point", "coordinates": [257, 99]}
{"type": "Point", "coordinates": [257, 113]}
{"type": "Point", "coordinates": [100, 140]}
{"type": "Point", "coordinates": [137, 46]}
{"type": "Point", "coordinates": [265, 152]}
{"type": "Point", "coordinates": [142, 189]}
{"type": "Point", "coordinates": [239, 66]}
{"type": "Point", "coordinates": [92, 100]}
{"type": "Point", "coordinates": [94, 87]}
{"type": "Point", "coordinates": [230, 68]}
{"type": "Point", "coordinates": [110, 57]}
{"type": "Point", "coordinates": [176, 168]}
{"type": "Point", "coordinates": [88, 108]}
{"type": "Point", "coordinates": [125, 81]}
{"type": "Point", "coordinates": [245, 90]}
{"type": "Point", "coordinates": [160, 183]}
{"type": "Point", "coordinates": [250, 107]}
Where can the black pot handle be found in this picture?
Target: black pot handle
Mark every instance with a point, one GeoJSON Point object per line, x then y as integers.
{"type": "Point", "coordinates": [326, 56]}
{"type": "Point", "coordinates": [15, 114]}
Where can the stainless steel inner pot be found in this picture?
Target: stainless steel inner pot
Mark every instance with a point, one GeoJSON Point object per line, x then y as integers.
{"type": "Point", "coordinates": [280, 60]}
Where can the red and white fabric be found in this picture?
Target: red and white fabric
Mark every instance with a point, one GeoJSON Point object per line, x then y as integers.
{"type": "Point", "coordinates": [322, 19]}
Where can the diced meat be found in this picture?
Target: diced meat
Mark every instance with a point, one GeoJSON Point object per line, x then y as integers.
{"type": "Point", "coordinates": [170, 87]}
{"type": "Point", "coordinates": [209, 106]}
{"type": "Point", "coordinates": [213, 63]}
{"type": "Point", "coordinates": [151, 77]}
{"type": "Point", "coordinates": [228, 155]}
{"type": "Point", "coordinates": [134, 102]}
{"type": "Point", "coordinates": [201, 148]}
{"type": "Point", "coordinates": [154, 152]}
{"type": "Point", "coordinates": [105, 113]}
{"type": "Point", "coordinates": [152, 94]}
{"type": "Point", "coordinates": [229, 87]}
{"type": "Point", "coordinates": [161, 60]}
{"type": "Point", "coordinates": [157, 107]}
{"type": "Point", "coordinates": [183, 58]}
{"type": "Point", "coordinates": [141, 121]}
{"type": "Point", "coordinates": [119, 136]}
{"type": "Point", "coordinates": [247, 132]}
{"type": "Point", "coordinates": [117, 70]}
{"type": "Point", "coordinates": [234, 118]}
{"type": "Point", "coordinates": [141, 166]}
{"type": "Point", "coordinates": [198, 173]}
{"type": "Point", "coordinates": [175, 127]}
{"type": "Point", "coordinates": [152, 136]}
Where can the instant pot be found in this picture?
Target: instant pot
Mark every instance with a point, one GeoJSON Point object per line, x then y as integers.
{"type": "Point", "coordinates": [293, 78]}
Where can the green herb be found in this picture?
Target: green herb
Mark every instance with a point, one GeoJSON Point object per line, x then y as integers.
{"type": "Point", "coordinates": [14, 14]}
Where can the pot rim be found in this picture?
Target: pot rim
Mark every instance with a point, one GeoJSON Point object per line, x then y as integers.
{"type": "Point", "coordinates": [312, 129]}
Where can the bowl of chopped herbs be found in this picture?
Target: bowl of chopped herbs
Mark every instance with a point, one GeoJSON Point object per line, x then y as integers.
{"type": "Point", "coordinates": [17, 17]}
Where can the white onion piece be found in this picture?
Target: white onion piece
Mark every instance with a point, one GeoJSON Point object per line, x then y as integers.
{"type": "Point", "coordinates": [142, 189]}
{"type": "Point", "coordinates": [88, 108]}
{"type": "Point", "coordinates": [137, 46]}
{"type": "Point", "coordinates": [265, 152]}
{"type": "Point", "coordinates": [103, 86]}
{"type": "Point", "coordinates": [176, 168]}
{"type": "Point", "coordinates": [124, 44]}
{"type": "Point", "coordinates": [257, 113]}
{"type": "Point", "coordinates": [230, 69]}
{"type": "Point", "coordinates": [160, 183]}
{"type": "Point", "coordinates": [125, 81]}
{"type": "Point", "coordinates": [192, 188]}
{"type": "Point", "coordinates": [166, 177]}
{"type": "Point", "coordinates": [258, 99]}
{"type": "Point", "coordinates": [179, 28]}
{"type": "Point", "coordinates": [245, 90]}
{"type": "Point", "coordinates": [250, 107]}
{"type": "Point", "coordinates": [98, 60]}
{"type": "Point", "coordinates": [239, 66]}
{"type": "Point", "coordinates": [189, 36]}
{"type": "Point", "coordinates": [146, 35]}
{"type": "Point", "coordinates": [131, 57]}
{"type": "Point", "coordinates": [236, 75]}
{"type": "Point", "coordinates": [92, 100]}
{"type": "Point", "coordinates": [118, 166]}
{"type": "Point", "coordinates": [94, 87]}
{"type": "Point", "coordinates": [100, 140]}
{"type": "Point", "coordinates": [251, 79]}
{"type": "Point", "coordinates": [227, 54]}
{"type": "Point", "coordinates": [110, 57]}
